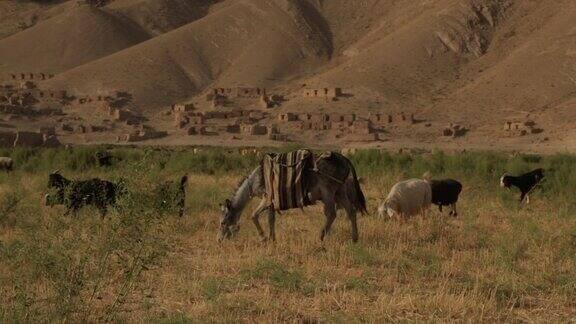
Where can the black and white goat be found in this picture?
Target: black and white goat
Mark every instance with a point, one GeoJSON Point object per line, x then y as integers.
{"type": "Point", "coordinates": [445, 192]}
{"type": "Point", "coordinates": [75, 194]}
{"type": "Point", "coordinates": [525, 182]}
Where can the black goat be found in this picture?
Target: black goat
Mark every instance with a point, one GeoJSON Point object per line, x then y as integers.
{"type": "Point", "coordinates": [75, 194]}
{"type": "Point", "coordinates": [104, 158]}
{"type": "Point", "coordinates": [445, 193]}
{"type": "Point", "coordinates": [525, 182]}
{"type": "Point", "coordinates": [171, 194]}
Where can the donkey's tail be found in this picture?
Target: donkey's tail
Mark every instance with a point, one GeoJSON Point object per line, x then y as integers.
{"type": "Point", "coordinates": [355, 192]}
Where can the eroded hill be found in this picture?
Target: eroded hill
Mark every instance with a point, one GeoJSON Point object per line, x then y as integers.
{"type": "Point", "coordinates": [476, 65]}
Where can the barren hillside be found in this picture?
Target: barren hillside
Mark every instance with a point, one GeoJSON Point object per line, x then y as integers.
{"type": "Point", "coordinates": [250, 42]}
{"type": "Point", "coordinates": [477, 63]}
{"type": "Point", "coordinates": [77, 36]}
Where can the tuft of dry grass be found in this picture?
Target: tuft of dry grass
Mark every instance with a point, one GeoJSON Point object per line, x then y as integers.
{"type": "Point", "coordinates": [495, 262]}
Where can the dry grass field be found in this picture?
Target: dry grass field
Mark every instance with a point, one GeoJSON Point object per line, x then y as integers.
{"type": "Point", "coordinates": [495, 262]}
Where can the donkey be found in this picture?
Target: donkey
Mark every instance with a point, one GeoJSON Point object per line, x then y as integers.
{"type": "Point", "coordinates": [334, 182]}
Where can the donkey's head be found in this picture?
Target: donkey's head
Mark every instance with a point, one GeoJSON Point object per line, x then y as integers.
{"type": "Point", "coordinates": [228, 221]}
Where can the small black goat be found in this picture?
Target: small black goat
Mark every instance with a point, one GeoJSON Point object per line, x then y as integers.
{"type": "Point", "coordinates": [171, 194]}
{"type": "Point", "coordinates": [104, 158]}
{"type": "Point", "coordinates": [75, 194]}
{"type": "Point", "coordinates": [445, 193]}
{"type": "Point", "coordinates": [525, 182]}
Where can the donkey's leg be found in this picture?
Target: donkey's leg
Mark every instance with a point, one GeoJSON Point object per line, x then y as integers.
{"type": "Point", "coordinates": [330, 213]}
{"type": "Point", "coordinates": [272, 224]}
{"type": "Point", "coordinates": [344, 202]}
{"type": "Point", "coordinates": [256, 215]}
{"type": "Point", "coordinates": [351, 212]}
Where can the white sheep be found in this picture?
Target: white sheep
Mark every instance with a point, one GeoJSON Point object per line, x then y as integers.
{"type": "Point", "coordinates": [407, 198]}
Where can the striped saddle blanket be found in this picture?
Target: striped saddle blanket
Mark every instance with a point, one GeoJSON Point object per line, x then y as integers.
{"type": "Point", "coordinates": [286, 186]}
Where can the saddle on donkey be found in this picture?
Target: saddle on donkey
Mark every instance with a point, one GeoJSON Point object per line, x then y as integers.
{"type": "Point", "coordinates": [285, 177]}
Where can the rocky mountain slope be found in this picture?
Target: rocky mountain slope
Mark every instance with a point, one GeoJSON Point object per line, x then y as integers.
{"type": "Point", "coordinates": [476, 62]}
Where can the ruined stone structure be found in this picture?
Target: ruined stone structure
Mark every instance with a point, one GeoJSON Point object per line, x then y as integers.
{"type": "Point", "coordinates": [202, 130]}
{"type": "Point", "coordinates": [342, 118]}
{"type": "Point", "coordinates": [218, 102]}
{"type": "Point", "coordinates": [220, 97]}
{"type": "Point", "coordinates": [319, 125]}
{"type": "Point", "coordinates": [380, 119]}
{"type": "Point", "coordinates": [322, 93]}
{"type": "Point", "coordinates": [26, 85]}
{"type": "Point", "coordinates": [239, 93]}
{"type": "Point", "coordinates": [116, 114]}
{"type": "Point", "coordinates": [27, 95]}
{"type": "Point", "coordinates": [408, 119]}
{"type": "Point", "coordinates": [66, 127]}
{"type": "Point", "coordinates": [304, 117]}
{"type": "Point", "coordinates": [287, 117]}
{"type": "Point", "coordinates": [361, 127]}
{"type": "Point", "coordinates": [81, 129]}
{"type": "Point", "coordinates": [265, 102]}
{"type": "Point", "coordinates": [234, 114]}
{"type": "Point", "coordinates": [257, 115]}
{"type": "Point", "coordinates": [97, 128]}
{"type": "Point", "coordinates": [233, 128]}
{"type": "Point", "coordinates": [454, 130]}
{"type": "Point", "coordinates": [320, 118]}
{"type": "Point", "coordinates": [273, 129]}
{"type": "Point", "coordinates": [278, 137]}
{"type": "Point", "coordinates": [517, 128]}
{"type": "Point", "coordinates": [30, 77]}
{"type": "Point", "coordinates": [383, 119]}
{"type": "Point", "coordinates": [120, 115]}
{"type": "Point", "coordinates": [54, 94]}
{"type": "Point", "coordinates": [180, 120]}
{"type": "Point", "coordinates": [254, 129]}
{"type": "Point", "coordinates": [21, 90]}
{"type": "Point", "coordinates": [215, 115]}
{"type": "Point", "coordinates": [196, 119]}
{"type": "Point", "coordinates": [188, 107]}
{"type": "Point", "coordinates": [194, 130]}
